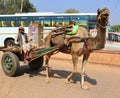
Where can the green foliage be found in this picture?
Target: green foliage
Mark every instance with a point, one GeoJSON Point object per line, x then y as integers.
{"type": "Point", "coordinates": [28, 7]}
{"type": "Point", "coordinates": [116, 28]}
{"type": "Point", "coordinates": [72, 10]}
{"type": "Point", "coordinates": [1, 6]}
{"type": "Point", "coordinates": [14, 6]}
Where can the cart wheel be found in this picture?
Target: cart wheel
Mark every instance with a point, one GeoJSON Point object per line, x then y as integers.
{"type": "Point", "coordinates": [37, 63]}
{"type": "Point", "coordinates": [10, 64]}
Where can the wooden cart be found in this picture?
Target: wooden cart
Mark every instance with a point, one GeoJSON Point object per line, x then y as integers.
{"type": "Point", "coordinates": [12, 55]}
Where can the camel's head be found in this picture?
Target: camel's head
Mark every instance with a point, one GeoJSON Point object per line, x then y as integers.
{"type": "Point", "coordinates": [103, 16]}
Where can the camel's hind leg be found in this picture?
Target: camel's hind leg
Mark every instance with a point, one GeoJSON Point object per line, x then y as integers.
{"type": "Point", "coordinates": [47, 58]}
{"type": "Point", "coordinates": [85, 59]}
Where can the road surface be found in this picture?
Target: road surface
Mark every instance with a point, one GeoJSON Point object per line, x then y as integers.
{"type": "Point", "coordinates": [103, 81]}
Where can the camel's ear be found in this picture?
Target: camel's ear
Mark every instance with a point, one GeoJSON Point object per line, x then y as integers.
{"type": "Point", "coordinates": [98, 11]}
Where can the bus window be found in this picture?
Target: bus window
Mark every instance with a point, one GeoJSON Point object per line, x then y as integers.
{"type": "Point", "coordinates": [12, 23]}
{"type": "Point", "coordinates": [93, 17]}
{"type": "Point", "coordinates": [23, 21]}
{"type": "Point", "coordinates": [65, 22]}
{"type": "Point", "coordinates": [8, 22]}
{"type": "Point", "coordinates": [44, 21]}
{"type": "Point", "coordinates": [83, 23]}
{"type": "Point", "coordinates": [30, 22]}
{"type": "Point", "coordinates": [36, 19]}
{"type": "Point", "coordinates": [3, 24]}
{"type": "Point", "coordinates": [76, 18]}
{"type": "Point", "coordinates": [92, 22]}
{"type": "Point", "coordinates": [61, 20]}
{"type": "Point", "coordinates": [20, 23]}
{"type": "Point", "coordinates": [53, 23]}
{"type": "Point", "coordinates": [84, 17]}
{"type": "Point", "coordinates": [47, 23]}
{"type": "Point", "coordinates": [81, 20]}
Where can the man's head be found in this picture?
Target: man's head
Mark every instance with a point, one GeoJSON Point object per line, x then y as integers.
{"type": "Point", "coordinates": [72, 22]}
{"type": "Point", "coordinates": [21, 29]}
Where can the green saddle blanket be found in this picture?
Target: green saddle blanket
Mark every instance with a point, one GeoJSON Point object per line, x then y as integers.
{"type": "Point", "coordinates": [74, 30]}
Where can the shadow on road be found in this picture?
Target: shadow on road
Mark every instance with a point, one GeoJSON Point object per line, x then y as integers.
{"type": "Point", "coordinates": [27, 70]}
{"type": "Point", "coordinates": [76, 78]}
{"type": "Point", "coordinates": [54, 74]}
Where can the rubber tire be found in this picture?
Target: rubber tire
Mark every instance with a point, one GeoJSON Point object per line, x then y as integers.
{"type": "Point", "coordinates": [37, 63]}
{"type": "Point", "coordinates": [8, 42]}
{"type": "Point", "coordinates": [15, 61]}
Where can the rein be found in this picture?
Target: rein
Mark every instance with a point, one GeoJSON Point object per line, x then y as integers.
{"type": "Point", "coordinates": [101, 25]}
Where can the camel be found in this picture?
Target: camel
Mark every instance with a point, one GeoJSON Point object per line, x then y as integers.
{"type": "Point", "coordinates": [80, 44]}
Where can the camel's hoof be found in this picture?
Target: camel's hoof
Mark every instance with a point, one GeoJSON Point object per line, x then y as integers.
{"type": "Point", "coordinates": [68, 81]}
{"type": "Point", "coordinates": [85, 87]}
{"type": "Point", "coordinates": [47, 80]}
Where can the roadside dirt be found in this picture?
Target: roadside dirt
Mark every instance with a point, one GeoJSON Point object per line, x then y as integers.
{"type": "Point", "coordinates": [102, 80]}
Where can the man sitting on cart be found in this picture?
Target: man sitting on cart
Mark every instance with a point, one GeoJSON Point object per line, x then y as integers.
{"type": "Point", "coordinates": [23, 42]}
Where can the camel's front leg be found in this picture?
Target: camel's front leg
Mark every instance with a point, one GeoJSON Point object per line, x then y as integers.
{"type": "Point", "coordinates": [47, 68]}
{"type": "Point", "coordinates": [85, 59]}
{"type": "Point", "coordinates": [75, 61]}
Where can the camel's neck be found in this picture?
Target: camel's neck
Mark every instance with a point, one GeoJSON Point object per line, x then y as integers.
{"type": "Point", "coordinates": [99, 41]}
{"type": "Point", "coordinates": [101, 35]}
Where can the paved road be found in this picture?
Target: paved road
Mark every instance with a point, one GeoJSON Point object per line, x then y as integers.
{"type": "Point", "coordinates": [104, 82]}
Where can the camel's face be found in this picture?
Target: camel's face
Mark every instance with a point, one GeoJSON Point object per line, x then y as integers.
{"type": "Point", "coordinates": [103, 16]}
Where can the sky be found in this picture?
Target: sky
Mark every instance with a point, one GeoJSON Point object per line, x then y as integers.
{"type": "Point", "coordinates": [83, 6]}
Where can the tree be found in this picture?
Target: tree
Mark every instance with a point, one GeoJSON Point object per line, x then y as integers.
{"type": "Point", "coordinates": [72, 10]}
{"type": "Point", "coordinates": [28, 7]}
{"type": "Point", "coordinates": [116, 27]}
{"type": "Point", "coordinates": [14, 6]}
{"type": "Point", "coordinates": [1, 6]}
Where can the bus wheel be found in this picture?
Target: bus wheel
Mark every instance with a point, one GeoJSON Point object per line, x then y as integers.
{"type": "Point", "coordinates": [10, 64]}
{"type": "Point", "coordinates": [9, 42]}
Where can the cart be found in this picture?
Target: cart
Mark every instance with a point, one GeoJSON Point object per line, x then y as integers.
{"type": "Point", "coordinates": [12, 55]}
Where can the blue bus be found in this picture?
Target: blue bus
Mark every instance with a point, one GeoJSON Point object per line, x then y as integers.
{"type": "Point", "coordinates": [9, 23]}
